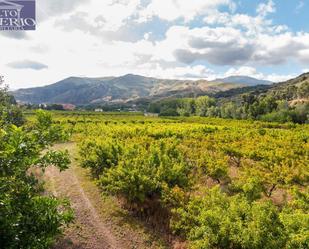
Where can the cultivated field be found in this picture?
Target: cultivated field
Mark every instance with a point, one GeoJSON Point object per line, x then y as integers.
{"type": "Point", "coordinates": [194, 182]}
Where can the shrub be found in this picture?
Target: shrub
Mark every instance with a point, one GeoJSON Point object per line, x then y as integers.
{"type": "Point", "coordinates": [29, 220]}
{"type": "Point", "coordinates": [147, 172]}
{"type": "Point", "coordinates": [219, 221]}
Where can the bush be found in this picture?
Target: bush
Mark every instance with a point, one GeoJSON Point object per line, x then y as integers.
{"type": "Point", "coordinates": [99, 155]}
{"type": "Point", "coordinates": [219, 221]}
{"type": "Point", "coordinates": [29, 220]}
{"type": "Point", "coordinates": [168, 112]}
{"type": "Point", "coordinates": [147, 173]}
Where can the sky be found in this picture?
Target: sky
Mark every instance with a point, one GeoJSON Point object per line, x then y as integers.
{"type": "Point", "coordinates": [175, 39]}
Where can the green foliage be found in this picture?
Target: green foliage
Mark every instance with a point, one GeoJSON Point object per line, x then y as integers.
{"type": "Point", "coordinates": [168, 112]}
{"type": "Point", "coordinates": [9, 113]}
{"type": "Point", "coordinates": [146, 172]}
{"type": "Point", "coordinates": [47, 132]}
{"type": "Point", "coordinates": [222, 183]}
{"type": "Point", "coordinates": [100, 155]}
{"type": "Point", "coordinates": [268, 103]}
{"type": "Point", "coordinates": [303, 90]}
{"type": "Point", "coordinates": [215, 166]}
{"type": "Point", "coordinates": [202, 105]}
{"type": "Point", "coordinates": [13, 115]}
{"type": "Point", "coordinates": [219, 221]}
{"type": "Point", "coordinates": [44, 119]}
{"type": "Point", "coordinates": [251, 187]}
{"type": "Point", "coordinates": [58, 158]}
{"type": "Point", "coordinates": [29, 220]}
{"type": "Point", "coordinates": [186, 107]}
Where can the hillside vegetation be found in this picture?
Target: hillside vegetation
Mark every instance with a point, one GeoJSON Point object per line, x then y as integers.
{"type": "Point", "coordinates": [282, 102]}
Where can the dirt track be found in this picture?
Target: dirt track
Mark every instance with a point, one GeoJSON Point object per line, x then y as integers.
{"type": "Point", "coordinates": [94, 226]}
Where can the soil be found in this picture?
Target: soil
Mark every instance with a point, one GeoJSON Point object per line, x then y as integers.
{"type": "Point", "coordinates": [99, 221]}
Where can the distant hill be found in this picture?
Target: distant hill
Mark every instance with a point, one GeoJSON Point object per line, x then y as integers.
{"type": "Point", "coordinates": [295, 91]}
{"type": "Point", "coordinates": [291, 90]}
{"type": "Point", "coordinates": [281, 102]}
{"type": "Point", "coordinates": [127, 88]}
{"type": "Point", "coordinates": [245, 80]}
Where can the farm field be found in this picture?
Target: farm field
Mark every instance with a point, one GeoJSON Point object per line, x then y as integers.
{"type": "Point", "coordinates": [196, 182]}
{"type": "Point", "coordinates": [99, 222]}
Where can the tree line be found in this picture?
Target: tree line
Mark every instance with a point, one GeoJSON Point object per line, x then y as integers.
{"type": "Point", "coordinates": [271, 106]}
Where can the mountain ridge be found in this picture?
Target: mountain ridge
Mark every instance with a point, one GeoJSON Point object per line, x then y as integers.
{"type": "Point", "coordinates": [87, 90]}
{"type": "Point", "coordinates": [242, 79]}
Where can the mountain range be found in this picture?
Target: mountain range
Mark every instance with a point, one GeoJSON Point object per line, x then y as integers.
{"type": "Point", "coordinates": [127, 88]}
{"type": "Point", "coordinates": [245, 80]}
{"type": "Point", "coordinates": [295, 90]}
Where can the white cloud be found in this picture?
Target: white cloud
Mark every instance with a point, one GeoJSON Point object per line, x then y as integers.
{"type": "Point", "coordinates": [279, 78]}
{"type": "Point", "coordinates": [47, 9]}
{"type": "Point", "coordinates": [249, 71]}
{"type": "Point", "coordinates": [266, 8]}
{"type": "Point", "coordinates": [304, 54]}
{"type": "Point", "coordinates": [252, 72]}
{"type": "Point", "coordinates": [173, 9]}
{"type": "Point", "coordinates": [188, 72]}
{"type": "Point", "coordinates": [232, 46]}
{"type": "Point", "coordinates": [108, 37]}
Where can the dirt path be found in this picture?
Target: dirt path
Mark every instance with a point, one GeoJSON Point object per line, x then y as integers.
{"type": "Point", "coordinates": [99, 222]}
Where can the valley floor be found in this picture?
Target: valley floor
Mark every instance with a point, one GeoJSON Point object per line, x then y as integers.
{"type": "Point", "coordinates": [99, 221]}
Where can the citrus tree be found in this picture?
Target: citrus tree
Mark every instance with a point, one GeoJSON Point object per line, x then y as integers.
{"type": "Point", "coordinates": [28, 219]}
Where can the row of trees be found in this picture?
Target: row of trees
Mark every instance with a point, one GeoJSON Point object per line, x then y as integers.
{"type": "Point", "coordinates": [219, 185]}
{"type": "Point", "coordinates": [28, 219]}
{"type": "Point", "coordinates": [249, 106]}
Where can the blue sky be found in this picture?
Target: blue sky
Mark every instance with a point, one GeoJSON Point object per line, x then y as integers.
{"type": "Point", "coordinates": [292, 13]}
{"type": "Point", "coordinates": [196, 39]}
